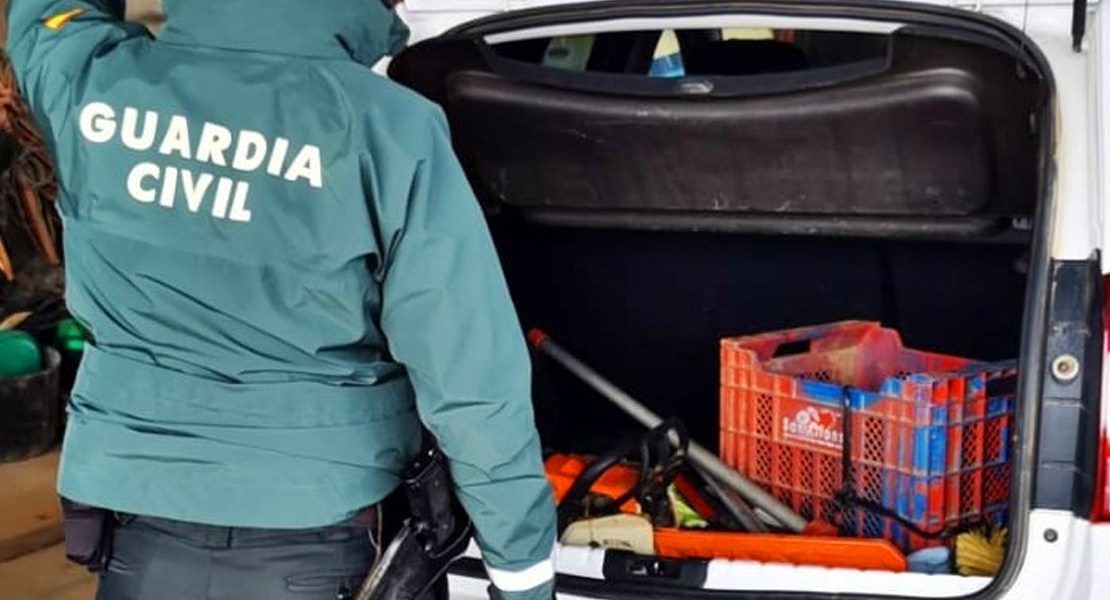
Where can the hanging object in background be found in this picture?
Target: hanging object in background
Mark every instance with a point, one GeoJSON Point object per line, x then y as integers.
{"type": "Point", "coordinates": [14, 320]}
{"type": "Point", "coordinates": [6, 268]}
{"type": "Point", "coordinates": [27, 185]}
{"type": "Point", "coordinates": [34, 217]}
{"type": "Point", "coordinates": [570, 53]}
{"type": "Point", "coordinates": [667, 61]}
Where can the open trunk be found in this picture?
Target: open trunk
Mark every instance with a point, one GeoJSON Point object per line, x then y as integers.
{"type": "Point", "coordinates": [648, 309]}
{"type": "Point", "coordinates": [854, 164]}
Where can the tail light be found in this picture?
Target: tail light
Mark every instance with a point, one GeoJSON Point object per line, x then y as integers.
{"type": "Point", "coordinates": [1102, 483]}
{"type": "Point", "coordinates": [1102, 491]}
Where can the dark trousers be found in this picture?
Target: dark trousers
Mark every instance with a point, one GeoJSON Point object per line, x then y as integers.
{"type": "Point", "coordinates": [158, 559]}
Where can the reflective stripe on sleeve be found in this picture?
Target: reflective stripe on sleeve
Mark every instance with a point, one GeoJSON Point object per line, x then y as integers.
{"type": "Point", "coordinates": [522, 581]}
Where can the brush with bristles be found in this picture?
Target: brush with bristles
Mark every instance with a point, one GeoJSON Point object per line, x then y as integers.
{"type": "Point", "coordinates": [980, 552]}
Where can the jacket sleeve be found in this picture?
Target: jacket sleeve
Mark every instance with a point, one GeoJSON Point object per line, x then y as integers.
{"type": "Point", "coordinates": [50, 43]}
{"type": "Point", "coordinates": [448, 318]}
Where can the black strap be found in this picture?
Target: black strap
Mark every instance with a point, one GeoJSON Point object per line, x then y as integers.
{"type": "Point", "coordinates": [848, 499]}
{"type": "Point", "coordinates": [847, 494]}
{"type": "Point", "coordinates": [659, 463]}
{"type": "Point", "coordinates": [570, 506]}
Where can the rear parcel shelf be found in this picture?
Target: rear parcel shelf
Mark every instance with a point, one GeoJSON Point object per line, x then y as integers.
{"type": "Point", "coordinates": [914, 143]}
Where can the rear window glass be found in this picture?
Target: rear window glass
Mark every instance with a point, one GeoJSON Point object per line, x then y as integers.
{"type": "Point", "coordinates": [692, 52]}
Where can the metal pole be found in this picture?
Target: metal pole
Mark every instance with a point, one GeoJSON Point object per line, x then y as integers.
{"type": "Point", "coordinates": [738, 509]}
{"type": "Point", "coordinates": [701, 457]}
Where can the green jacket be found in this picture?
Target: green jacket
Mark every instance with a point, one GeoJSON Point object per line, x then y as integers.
{"type": "Point", "coordinates": [283, 272]}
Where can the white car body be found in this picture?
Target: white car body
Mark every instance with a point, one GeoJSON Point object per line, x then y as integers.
{"type": "Point", "coordinates": [1073, 561]}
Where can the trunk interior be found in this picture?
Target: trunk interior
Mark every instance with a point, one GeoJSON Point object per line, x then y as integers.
{"type": "Point", "coordinates": [779, 179]}
{"type": "Point", "coordinates": [648, 309]}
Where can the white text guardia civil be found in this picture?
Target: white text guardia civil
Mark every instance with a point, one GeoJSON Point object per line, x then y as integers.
{"type": "Point", "coordinates": [197, 191]}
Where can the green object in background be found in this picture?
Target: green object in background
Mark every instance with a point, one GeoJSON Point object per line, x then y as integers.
{"type": "Point", "coordinates": [70, 336]}
{"type": "Point", "coordinates": [19, 354]}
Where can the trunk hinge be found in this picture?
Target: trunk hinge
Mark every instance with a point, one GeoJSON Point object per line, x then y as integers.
{"type": "Point", "coordinates": [1078, 24]}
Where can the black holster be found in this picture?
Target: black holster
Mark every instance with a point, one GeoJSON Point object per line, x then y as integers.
{"type": "Point", "coordinates": [431, 538]}
{"type": "Point", "coordinates": [88, 534]}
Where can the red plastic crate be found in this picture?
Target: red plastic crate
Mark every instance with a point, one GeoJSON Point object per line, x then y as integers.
{"type": "Point", "coordinates": [928, 441]}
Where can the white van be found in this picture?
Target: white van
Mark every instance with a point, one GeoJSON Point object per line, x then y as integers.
{"type": "Point", "coordinates": [660, 174]}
